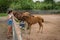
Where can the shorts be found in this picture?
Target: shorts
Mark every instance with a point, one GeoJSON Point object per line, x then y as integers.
{"type": "Point", "coordinates": [10, 22]}
{"type": "Point", "coordinates": [22, 25]}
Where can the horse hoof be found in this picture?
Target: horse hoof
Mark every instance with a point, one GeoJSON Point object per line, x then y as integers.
{"type": "Point", "coordinates": [29, 33]}
{"type": "Point", "coordinates": [41, 32]}
{"type": "Point", "coordinates": [8, 37]}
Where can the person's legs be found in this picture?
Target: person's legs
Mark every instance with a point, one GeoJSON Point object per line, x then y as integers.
{"type": "Point", "coordinates": [9, 31]}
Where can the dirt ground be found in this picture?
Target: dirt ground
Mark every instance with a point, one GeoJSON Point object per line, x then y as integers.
{"type": "Point", "coordinates": [3, 28]}
{"type": "Point", "coordinates": [51, 29]}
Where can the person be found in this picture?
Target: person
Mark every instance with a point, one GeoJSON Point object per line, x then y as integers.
{"type": "Point", "coordinates": [10, 22]}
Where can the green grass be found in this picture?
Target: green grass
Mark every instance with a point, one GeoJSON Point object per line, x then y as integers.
{"type": "Point", "coordinates": [3, 14]}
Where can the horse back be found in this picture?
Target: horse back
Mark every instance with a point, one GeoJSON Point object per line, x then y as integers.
{"type": "Point", "coordinates": [40, 18]}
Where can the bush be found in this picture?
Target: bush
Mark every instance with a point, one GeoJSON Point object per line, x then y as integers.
{"type": "Point", "coordinates": [21, 5]}
{"type": "Point", "coordinates": [3, 14]}
{"type": "Point", "coordinates": [42, 6]}
{"type": "Point", "coordinates": [4, 5]}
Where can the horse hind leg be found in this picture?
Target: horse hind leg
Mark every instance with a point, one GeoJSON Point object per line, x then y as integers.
{"type": "Point", "coordinates": [29, 28]}
{"type": "Point", "coordinates": [40, 27]}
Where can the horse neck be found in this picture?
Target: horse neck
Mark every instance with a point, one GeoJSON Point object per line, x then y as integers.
{"type": "Point", "coordinates": [28, 19]}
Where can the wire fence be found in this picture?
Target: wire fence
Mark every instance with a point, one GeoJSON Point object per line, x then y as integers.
{"type": "Point", "coordinates": [41, 11]}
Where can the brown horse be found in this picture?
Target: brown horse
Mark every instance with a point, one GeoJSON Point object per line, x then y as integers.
{"type": "Point", "coordinates": [32, 20]}
{"type": "Point", "coordinates": [19, 15]}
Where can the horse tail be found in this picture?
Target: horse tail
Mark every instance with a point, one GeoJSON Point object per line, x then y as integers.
{"type": "Point", "coordinates": [42, 20]}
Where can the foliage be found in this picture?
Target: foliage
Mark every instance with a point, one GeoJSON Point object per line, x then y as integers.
{"type": "Point", "coordinates": [42, 6]}
{"type": "Point", "coordinates": [4, 5]}
{"type": "Point", "coordinates": [49, 1]}
{"type": "Point", "coordinates": [3, 14]}
{"type": "Point", "coordinates": [57, 6]}
{"type": "Point", "coordinates": [22, 5]}
{"type": "Point", "coordinates": [28, 5]}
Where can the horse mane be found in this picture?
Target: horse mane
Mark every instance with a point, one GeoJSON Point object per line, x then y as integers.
{"type": "Point", "coordinates": [17, 14]}
{"type": "Point", "coordinates": [24, 18]}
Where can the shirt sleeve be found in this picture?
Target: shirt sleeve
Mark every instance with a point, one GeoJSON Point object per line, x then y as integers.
{"type": "Point", "coordinates": [9, 16]}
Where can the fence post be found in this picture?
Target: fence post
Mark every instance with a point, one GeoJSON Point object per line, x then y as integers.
{"type": "Point", "coordinates": [16, 31]}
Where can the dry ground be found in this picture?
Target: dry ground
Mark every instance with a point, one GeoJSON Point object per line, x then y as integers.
{"type": "Point", "coordinates": [51, 29]}
{"type": "Point", "coordinates": [3, 28]}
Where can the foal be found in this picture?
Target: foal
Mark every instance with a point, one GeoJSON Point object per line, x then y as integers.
{"type": "Point", "coordinates": [33, 20]}
{"type": "Point", "coordinates": [30, 19]}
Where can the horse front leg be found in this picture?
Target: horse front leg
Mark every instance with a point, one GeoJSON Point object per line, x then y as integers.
{"type": "Point", "coordinates": [29, 28]}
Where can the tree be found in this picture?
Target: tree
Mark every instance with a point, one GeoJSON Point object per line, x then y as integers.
{"type": "Point", "coordinates": [22, 5]}
{"type": "Point", "coordinates": [4, 4]}
{"type": "Point", "coordinates": [27, 4]}
{"type": "Point", "coordinates": [52, 2]}
{"type": "Point", "coordinates": [57, 6]}
{"type": "Point", "coordinates": [37, 5]}
{"type": "Point", "coordinates": [49, 1]}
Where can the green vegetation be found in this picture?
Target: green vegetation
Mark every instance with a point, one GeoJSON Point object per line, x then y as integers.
{"type": "Point", "coordinates": [28, 5]}
{"type": "Point", "coordinates": [3, 14]}
{"type": "Point", "coordinates": [22, 5]}
{"type": "Point", "coordinates": [4, 5]}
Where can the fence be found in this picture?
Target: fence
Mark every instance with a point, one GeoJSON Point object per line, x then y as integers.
{"type": "Point", "coordinates": [41, 11]}
{"type": "Point", "coordinates": [16, 31]}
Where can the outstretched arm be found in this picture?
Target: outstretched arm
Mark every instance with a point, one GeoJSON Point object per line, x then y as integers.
{"type": "Point", "coordinates": [15, 19]}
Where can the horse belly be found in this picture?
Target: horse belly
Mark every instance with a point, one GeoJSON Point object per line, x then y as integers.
{"type": "Point", "coordinates": [34, 21]}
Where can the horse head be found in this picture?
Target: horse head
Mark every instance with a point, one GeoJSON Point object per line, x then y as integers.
{"type": "Point", "coordinates": [17, 14]}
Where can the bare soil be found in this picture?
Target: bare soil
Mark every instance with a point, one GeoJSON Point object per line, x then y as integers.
{"type": "Point", "coordinates": [51, 29]}
{"type": "Point", "coordinates": [3, 28]}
